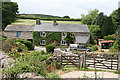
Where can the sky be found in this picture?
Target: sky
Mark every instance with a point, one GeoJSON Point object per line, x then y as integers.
{"type": "Point", "coordinates": [72, 8]}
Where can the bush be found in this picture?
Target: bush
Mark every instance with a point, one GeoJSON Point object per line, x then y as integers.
{"type": "Point", "coordinates": [21, 47]}
{"type": "Point", "coordinates": [42, 52]}
{"type": "Point", "coordinates": [28, 44]}
{"type": "Point", "coordinates": [109, 37]}
{"type": "Point", "coordinates": [7, 45]}
{"type": "Point", "coordinates": [31, 62]}
{"type": "Point", "coordinates": [50, 48]}
{"type": "Point", "coordinates": [94, 48]}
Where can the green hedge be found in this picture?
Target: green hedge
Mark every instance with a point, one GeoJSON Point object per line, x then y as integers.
{"type": "Point", "coordinates": [28, 44]}
{"type": "Point", "coordinates": [50, 48]}
{"type": "Point", "coordinates": [50, 19]}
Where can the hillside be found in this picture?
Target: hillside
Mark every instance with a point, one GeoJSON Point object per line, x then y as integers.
{"type": "Point", "coordinates": [38, 16]}
{"type": "Point", "coordinates": [33, 22]}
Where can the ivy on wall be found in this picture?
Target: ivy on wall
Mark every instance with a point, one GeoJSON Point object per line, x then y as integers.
{"type": "Point", "coordinates": [49, 36]}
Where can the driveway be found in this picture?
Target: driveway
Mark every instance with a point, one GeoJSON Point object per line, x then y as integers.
{"type": "Point", "coordinates": [40, 48]}
{"type": "Point", "coordinates": [88, 74]}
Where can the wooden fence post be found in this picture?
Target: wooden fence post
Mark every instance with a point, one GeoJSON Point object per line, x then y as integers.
{"type": "Point", "coordinates": [111, 61]}
{"type": "Point", "coordinates": [61, 60]}
{"type": "Point", "coordinates": [79, 61]}
{"type": "Point", "coordinates": [85, 60]}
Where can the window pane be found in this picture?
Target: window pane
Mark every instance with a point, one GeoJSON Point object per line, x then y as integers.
{"type": "Point", "coordinates": [18, 34]}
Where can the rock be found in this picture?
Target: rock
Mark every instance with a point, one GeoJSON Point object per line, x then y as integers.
{"type": "Point", "coordinates": [39, 78]}
{"type": "Point", "coordinates": [27, 75]}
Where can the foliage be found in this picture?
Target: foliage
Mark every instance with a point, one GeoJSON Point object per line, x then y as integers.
{"type": "Point", "coordinates": [94, 30]}
{"type": "Point", "coordinates": [117, 72]}
{"type": "Point", "coordinates": [21, 47]}
{"type": "Point", "coordinates": [116, 17]}
{"type": "Point", "coordinates": [48, 38]}
{"type": "Point", "coordinates": [100, 19]}
{"type": "Point", "coordinates": [108, 27]}
{"type": "Point", "coordinates": [31, 62]}
{"type": "Point", "coordinates": [94, 48]}
{"type": "Point", "coordinates": [53, 75]}
{"type": "Point", "coordinates": [50, 19]}
{"type": "Point", "coordinates": [51, 36]}
{"type": "Point", "coordinates": [36, 38]}
{"type": "Point", "coordinates": [90, 18]}
{"type": "Point", "coordinates": [28, 44]}
{"type": "Point", "coordinates": [116, 45]}
{"type": "Point", "coordinates": [9, 12]}
{"type": "Point", "coordinates": [68, 38]}
{"type": "Point", "coordinates": [7, 45]}
{"type": "Point", "coordinates": [50, 48]}
{"type": "Point", "coordinates": [109, 37]}
{"type": "Point", "coordinates": [66, 17]}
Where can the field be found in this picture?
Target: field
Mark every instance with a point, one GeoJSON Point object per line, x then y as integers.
{"type": "Point", "coordinates": [38, 15]}
{"type": "Point", "coordinates": [33, 22]}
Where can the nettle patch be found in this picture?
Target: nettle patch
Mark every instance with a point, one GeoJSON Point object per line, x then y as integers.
{"type": "Point", "coordinates": [49, 38]}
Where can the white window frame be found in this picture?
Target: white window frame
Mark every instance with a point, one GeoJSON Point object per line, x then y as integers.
{"type": "Point", "coordinates": [63, 41]}
{"type": "Point", "coordinates": [42, 34]}
{"type": "Point", "coordinates": [41, 42]}
{"type": "Point", "coordinates": [73, 34]}
{"type": "Point", "coordinates": [64, 34]}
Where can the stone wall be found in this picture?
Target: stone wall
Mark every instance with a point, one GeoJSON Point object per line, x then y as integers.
{"type": "Point", "coordinates": [13, 34]}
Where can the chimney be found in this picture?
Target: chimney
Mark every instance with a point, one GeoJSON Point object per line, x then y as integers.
{"type": "Point", "coordinates": [55, 23]}
{"type": "Point", "coordinates": [38, 22]}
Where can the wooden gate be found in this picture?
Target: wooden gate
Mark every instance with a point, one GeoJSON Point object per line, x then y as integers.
{"type": "Point", "coordinates": [102, 61]}
{"type": "Point", "coordinates": [71, 60]}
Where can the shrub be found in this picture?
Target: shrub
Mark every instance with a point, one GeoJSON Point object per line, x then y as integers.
{"type": "Point", "coordinates": [21, 47]}
{"type": "Point", "coordinates": [28, 44]}
{"type": "Point", "coordinates": [94, 48]}
{"type": "Point", "coordinates": [42, 52]}
{"type": "Point", "coordinates": [109, 37]}
{"type": "Point", "coordinates": [7, 45]}
{"type": "Point", "coordinates": [32, 62]}
{"type": "Point", "coordinates": [50, 48]}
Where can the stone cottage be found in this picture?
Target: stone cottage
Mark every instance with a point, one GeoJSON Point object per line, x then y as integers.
{"type": "Point", "coordinates": [80, 31]}
{"type": "Point", "coordinates": [19, 32]}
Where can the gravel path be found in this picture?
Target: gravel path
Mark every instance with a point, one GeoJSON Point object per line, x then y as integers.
{"type": "Point", "coordinates": [88, 74]}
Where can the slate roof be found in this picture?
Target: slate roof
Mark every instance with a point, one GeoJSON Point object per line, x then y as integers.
{"type": "Point", "coordinates": [48, 27]}
{"type": "Point", "coordinates": [82, 39]}
{"type": "Point", "coordinates": [19, 28]}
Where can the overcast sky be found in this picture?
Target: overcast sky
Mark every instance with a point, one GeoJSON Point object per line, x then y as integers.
{"type": "Point", "coordinates": [72, 8]}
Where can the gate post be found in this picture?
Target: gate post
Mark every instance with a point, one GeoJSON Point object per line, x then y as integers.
{"type": "Point", "coordinates": [79, 61]}
{"type": "Point", "coordinates": [85, 59]}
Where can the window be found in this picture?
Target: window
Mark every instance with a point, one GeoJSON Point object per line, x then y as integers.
{"type": "Point", "coordinates": [43, 34]}
{"type": "Point", "coordinates": [63, 42]}
{"type": "Point", "coordinates": [64, 34]}
{"type": "Point", "coordinates": [72, 34]}
{"type": "Point", "coordinates": [42, 42]}
{"type": "Point", "coordinates": [18, 34]}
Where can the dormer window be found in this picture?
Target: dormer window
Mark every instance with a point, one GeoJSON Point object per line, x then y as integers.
{"type": "Point", "coordinates": [64, 34]}
{"type": "Point", "coordinates": [43, 34]}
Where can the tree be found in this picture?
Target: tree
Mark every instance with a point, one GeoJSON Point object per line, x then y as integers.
{"type": "Point", "coordinates": [100, 19]}
{"type": "Point", "coordinates": [66, 17]}
{"type": "Point", "coordinates": [94, 30]}
{"type": "Point", "coordinates": [116, 17]}
{"type": "Point", "coordinates": [9, 13]}
{"type": "Point", "coordinates": [90, 18]}
{"type": "Point", "coordinates": [68, 38]}
{"type": "Point", "coordinates": [108, 27]}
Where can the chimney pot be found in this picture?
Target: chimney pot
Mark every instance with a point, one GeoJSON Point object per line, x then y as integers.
{"type": "Point", "coordinates": [38, 22]}
{"type": "Point", "coordinates": [55, 23]}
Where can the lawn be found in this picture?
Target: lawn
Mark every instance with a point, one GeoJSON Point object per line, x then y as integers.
{"type": "Point", "coordinates": [33, 22]}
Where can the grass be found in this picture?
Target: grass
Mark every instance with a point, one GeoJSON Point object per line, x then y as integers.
{"type": "Point", "coordinates": [33, 22]}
